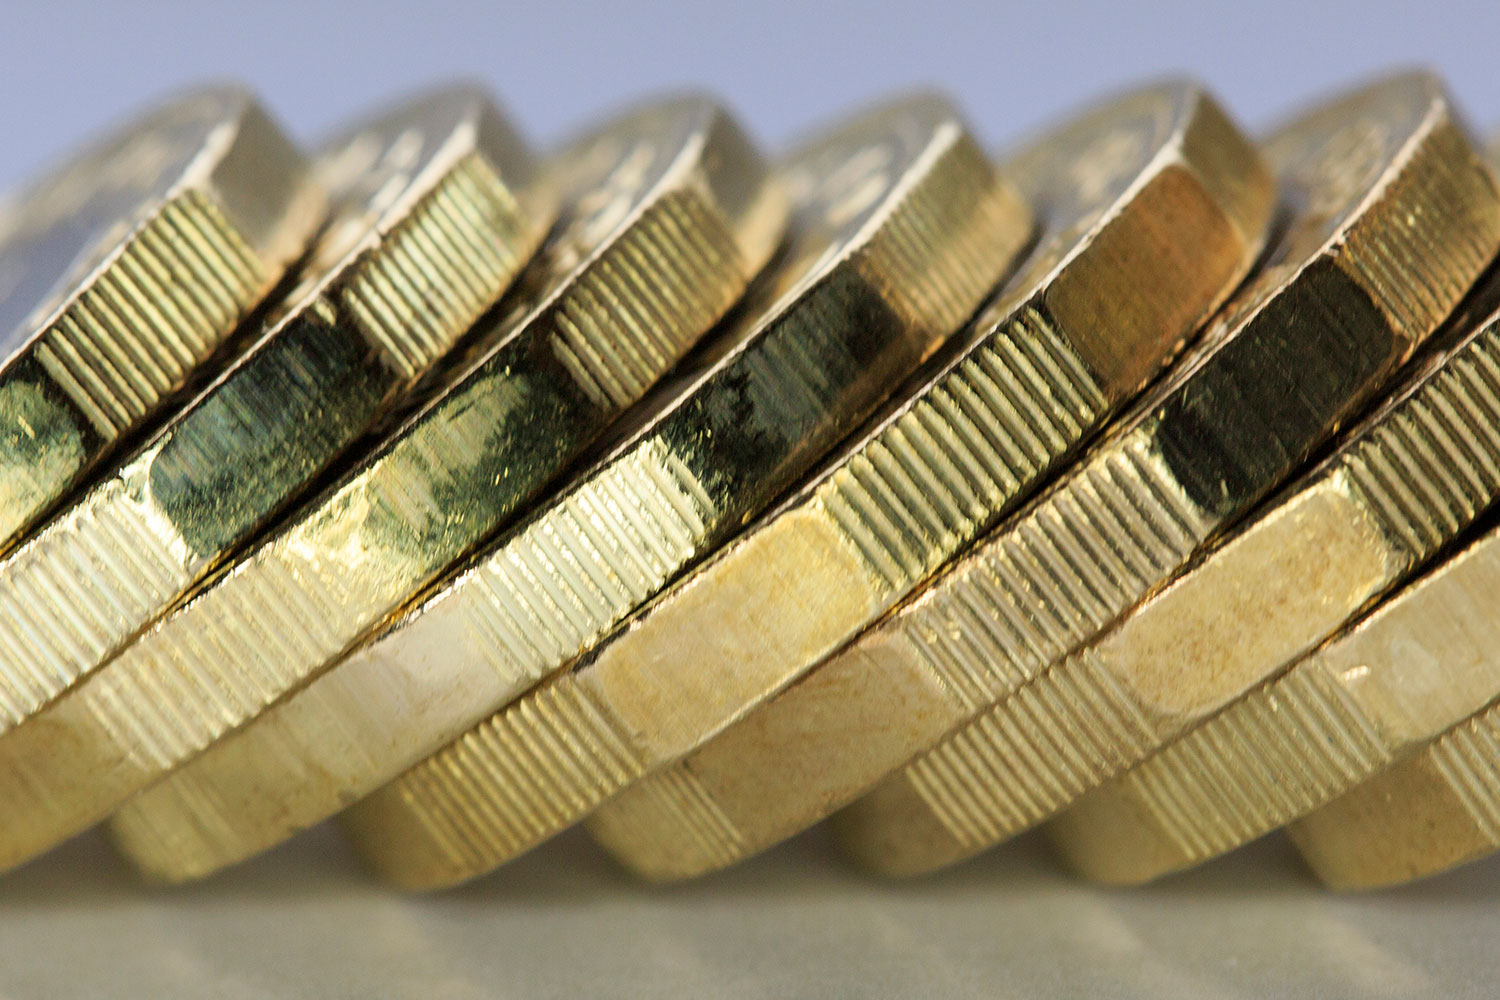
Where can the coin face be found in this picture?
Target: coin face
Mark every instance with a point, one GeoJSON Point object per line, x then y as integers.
{"type": "Point", "coordinates": [610, 173]}
{"type": "Point", "coordinates": [1337, 154]}
{"type": "Point", "coordinates": [1078, 174]}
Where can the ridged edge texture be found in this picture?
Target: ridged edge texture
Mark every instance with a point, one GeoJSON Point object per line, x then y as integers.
{"type": "Point", "coordinates": [1449, 227]}
{"type": "Point", "coordinates": [937, 282]}
{"type": "Point", "coordinates": [1433, 463]}
{"type": "Point", "coordinates": [1468, 758]}
{"type": "Point", "coordinates": [498, 789]}
{"type": "Point", "coordinates": [1082, 556]}
{"type": "Point", "coordinates": [153, 313]}
{"type": "Point", "coordinates": [441, 267]}
{"type": "Point", "coordinates": [928, 482]}
{"type": "Point", "coordinates": [1276, 754]}
{"type": "Point", "coordinates": [83, 586]}
{"type": "Point", "coordinates": [261, 629]}
{"type": "Point", "coordinates": [668, 277]}
{"type": "Point", "coordinates": [108, 565]}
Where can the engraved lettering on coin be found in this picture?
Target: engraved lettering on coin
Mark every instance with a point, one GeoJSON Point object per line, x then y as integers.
{"type": "Point", "coordinates": [1331, 159]}
{"type": "Point", "coordinates": [1076, 176]}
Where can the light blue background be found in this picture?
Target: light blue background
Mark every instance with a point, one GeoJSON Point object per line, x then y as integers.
{"type": "Point", "coordinates": [68, 68]}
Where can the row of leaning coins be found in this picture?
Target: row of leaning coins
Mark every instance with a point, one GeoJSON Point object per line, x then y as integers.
{"type": "Point", "coordinates": [468, 495]}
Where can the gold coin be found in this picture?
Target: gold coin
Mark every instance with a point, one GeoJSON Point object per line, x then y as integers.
{"type": "Point", "coordinates": [123, 270]}
{"type": "Point", "coordinates": [669, 214]}
{"type": "Point", "coordinates": [1434, 810]}
{"type": "Point", "coordinates": [851, 312]}
{"type": "Point", "coordinates": [1397, 218]}
{"type": "Point", "coordinates": [804, 360]}
{"type": "Point", "coordinates": [1421, 663]}
{"type": "Point", "coordinates": [832, 734]}
{"type": "Point", "coordinates": [1407, 482]}
{"type": "Point", "coordinates": [435, 209]}
{"type": "Point", "coordinates": [1043, 365]}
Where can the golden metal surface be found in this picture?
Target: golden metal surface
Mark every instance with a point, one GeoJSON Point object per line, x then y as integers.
{"type": "Point", "coordinates": [434, 203]}
{"type": "Point", "coordinates": [1421, 663]}
{"type": "Point", "coordinates": [1043, 365]}
{"type": "Point", "coordinates": [902, 227]}
{"type": "Point", "coordinates": [669, 214]}
{"type": "Point", "coordinates": [1409, 480]}
{"type": "Point", "coordinates": [810, 749]}
{"type": "Point", "coordinates": [124, 270]}
{"type": "Point", "coordinates": [1435, 810]}
{"type": "Point", "coordinates": [1396, 216]}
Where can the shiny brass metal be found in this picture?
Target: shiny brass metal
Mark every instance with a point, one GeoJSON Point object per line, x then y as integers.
{"type": "Point", "coordinates": [1435, 810]}
{"type": "Point", "coordinates": [1411, 478]}
{"type": "Point", "coordinates": [901, 228]}
{"type": "Point", "coordinates": [433, 202]}
{"type": "Point", "coordinates": [672, 197]}
{"type": "Point", "coordinates": [1395, 217]}
{"type": "Point", "coordinates": [1040, 368]}
{"type": "Point", "coordinates": [1438, 808]}
{"type": "Point", "coordinates": [1421, 663]}
{"type": "Point", "coordinates": [819, 743]}
{"type": "Point", "coordinates": [123, 270]}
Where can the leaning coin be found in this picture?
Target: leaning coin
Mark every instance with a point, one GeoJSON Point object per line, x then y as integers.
{"type": "Point", "coordinates": [1431, 812]}
{"type": "Point", "coordinates": [123, 270]}
{"type": "Point", "coordinates": [434, 211]}
{"type": "Point", "coordinates": [1397, 217]}
{"type": "Point", "coordinates": [669, 215]}
{"type": "Point", "coordinates": [1181, 175]}
{"type": "Point", "coordinates": [1420, 664]}
{"type": "Point", "coordinates": [1437, 809]}
{"type": "Point", "coordinates": [1038, 369]}
{"type": "Point", "coordinates": [1411, 478]}
{"type": "Point", "coordinates": [851, 312]}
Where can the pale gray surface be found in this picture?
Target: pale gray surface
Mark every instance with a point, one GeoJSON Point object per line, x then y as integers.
{"type": "Point", "coordinates": [563, 922]}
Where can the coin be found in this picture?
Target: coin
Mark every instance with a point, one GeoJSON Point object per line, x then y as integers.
{"type": "Point", "coordinates": [670, 214]}
{"type": "Point", "coordinates": [1432, 811]}
{"type": "Point", "coordinates": [804, 360]}
{"type": "Point", "coordinates": [1421, 663]}
{"type": "Point", "coordinates": [123, 270]}
{"type": "Point", "coordinates": [1397, 218]}
{"type": "Point", "coordinates": [1405, 484]}
{"type": "Point", "coordinates": [1170, 155]}
{"type": "Point", "coordinates": [434, 202]}
{"type": "Point", "coordinates": [1041, 366]}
